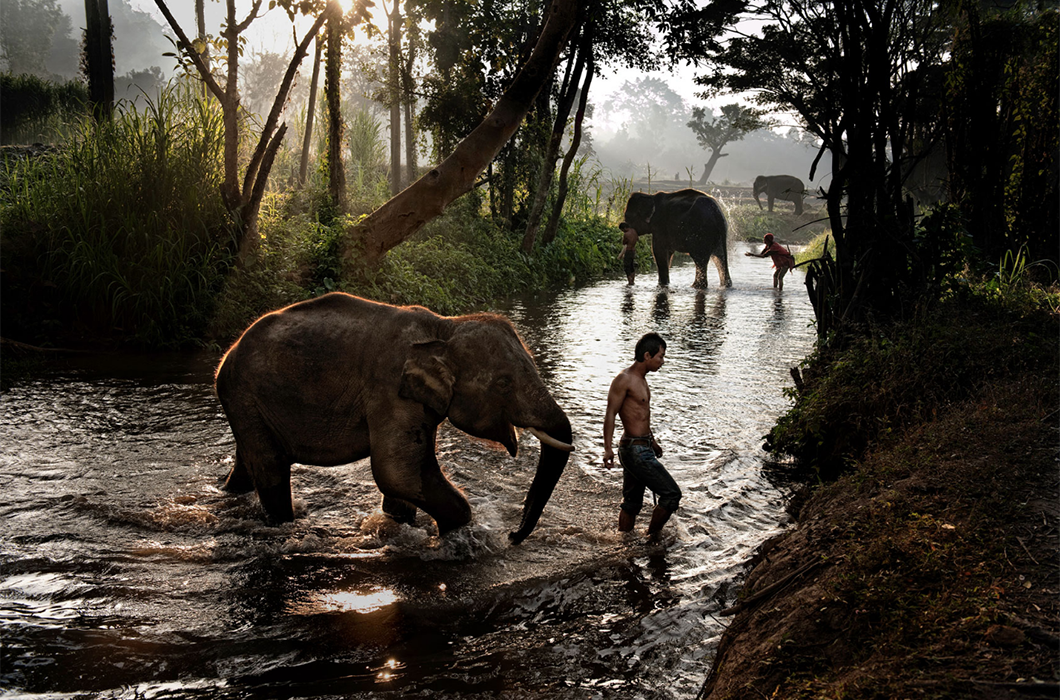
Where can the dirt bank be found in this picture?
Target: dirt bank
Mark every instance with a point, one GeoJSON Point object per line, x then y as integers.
{"type": "Point", "coordinates": [930, 571]}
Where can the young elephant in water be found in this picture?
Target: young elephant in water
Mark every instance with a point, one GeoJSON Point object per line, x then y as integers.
{"type": "Point", "coordinates": [340, 378]}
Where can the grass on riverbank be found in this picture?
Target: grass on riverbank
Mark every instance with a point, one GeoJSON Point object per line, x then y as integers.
{"type": "Point", "coordinates": [930, 567]}
{"type": "Point", "coordinates": [119, 239]}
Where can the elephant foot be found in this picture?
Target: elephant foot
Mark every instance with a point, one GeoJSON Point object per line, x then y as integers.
{"type": "Point", "coordinates": [398, 510]}
{"type": "Point", "coordinates": [276, 502]}
{"type": "Point", "coordinates": [238, 481]}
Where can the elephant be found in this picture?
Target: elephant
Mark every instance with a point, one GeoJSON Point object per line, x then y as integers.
{"type": "Point", "coordinates": [338, 378]}
{"type": "Point", "coordinates": [686, 221]}
{"type": "Point", "coordinates": [786, 187]}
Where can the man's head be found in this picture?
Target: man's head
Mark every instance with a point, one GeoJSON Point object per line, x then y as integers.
{"type": "Point", "coordinates": [649, 347]}
{"type": "Point", "coordinates": [768, 238]}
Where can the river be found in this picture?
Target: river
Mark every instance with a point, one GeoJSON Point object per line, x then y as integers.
{"type": "Point", "coordinates": [128, 573]}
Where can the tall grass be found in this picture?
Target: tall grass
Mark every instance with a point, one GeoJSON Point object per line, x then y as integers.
{"type": "Point", "coordinates": [35, 110]}
{"type": "Point", "coordinates": [125, 221]}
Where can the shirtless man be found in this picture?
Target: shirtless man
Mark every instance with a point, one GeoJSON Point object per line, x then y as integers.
{"type": "Point", "coordinates": [638, 451]}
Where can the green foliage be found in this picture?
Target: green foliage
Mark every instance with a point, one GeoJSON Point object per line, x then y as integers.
{"type": "Point", "coordinates": [123, 226]}
{"type": "Point", "coordinates": [463, 261]}
{"type": "Point", "coordinates": [36, 110]}
{"type": "Point", "coordinates": [749, 223]}
{"type": "Point", "coordinates": [908, 373]}
{"type": "Point", "coordinates": [817, 248]}
{"type": "Point", "coordinates": [735, 122]}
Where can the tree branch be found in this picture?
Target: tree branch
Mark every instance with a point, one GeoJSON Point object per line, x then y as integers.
{"type": "Point", "coordinates": [189, 49]}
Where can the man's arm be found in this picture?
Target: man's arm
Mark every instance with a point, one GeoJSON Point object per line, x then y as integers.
{"type": "Point", "coordinates": [616, 395]}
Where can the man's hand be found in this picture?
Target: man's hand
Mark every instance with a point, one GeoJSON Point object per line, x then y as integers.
{"type": "Point", "coordinates": [609, 458]}
{"type": "Point", "coordinates": [656, 447]}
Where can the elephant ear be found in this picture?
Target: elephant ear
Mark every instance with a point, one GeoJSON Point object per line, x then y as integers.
{"type": "Point", "coordinates": [427, 378]}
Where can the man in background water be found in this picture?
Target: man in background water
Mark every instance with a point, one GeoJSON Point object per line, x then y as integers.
{"type": "Point", "coordinates": [638, 450]}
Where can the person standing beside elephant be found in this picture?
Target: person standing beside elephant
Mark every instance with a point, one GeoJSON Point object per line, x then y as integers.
{"type": "Point", "coordinates": [629, 250]}
{"type": "Point", "coordinates": [638, 451]}
{"type": "Point", "coordinates": [783, 260]}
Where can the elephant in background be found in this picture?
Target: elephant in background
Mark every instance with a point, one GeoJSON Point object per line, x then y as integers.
{"type": "Point", "coordinates": [786, 187]}
{"type": "Point", "coordinates": [686, 221]}
{"type": "Point", "coordinates": [338, 378]}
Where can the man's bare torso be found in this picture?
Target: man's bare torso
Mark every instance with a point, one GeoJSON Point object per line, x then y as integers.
{"type": "Point", "coordinates": [635, 411]}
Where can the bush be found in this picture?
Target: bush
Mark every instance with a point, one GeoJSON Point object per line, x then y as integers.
{"type": "Point", "coordinates": [122, 230]}
{"type": "Point", "coordinates": [909, 373]}
{"type": "Point", "coordinates": [34, 110]}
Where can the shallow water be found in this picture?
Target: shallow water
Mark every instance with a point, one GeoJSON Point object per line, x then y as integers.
{"type": "Point", "coordinates": [127, 573]}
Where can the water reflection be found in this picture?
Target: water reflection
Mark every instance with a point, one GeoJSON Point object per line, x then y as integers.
{"type": "Point", "coordinates": [661, 310]}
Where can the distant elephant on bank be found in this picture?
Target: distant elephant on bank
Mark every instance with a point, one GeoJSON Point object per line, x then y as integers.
{"type": "Point", "coordinates": [686, 221]}
{"type": "Point", "coordinates": [339, 378]}
{"type": "Point", "coordinates": [786, 187]}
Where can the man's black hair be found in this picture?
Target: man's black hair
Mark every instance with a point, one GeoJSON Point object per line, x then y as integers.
{"type": "Point", "coordinates": [651, 343]}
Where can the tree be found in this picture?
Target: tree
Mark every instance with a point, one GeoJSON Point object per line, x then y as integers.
{"type": "Point", "coordinates": [1000, 107]}
{"type": "Point", "coordinates": [307, 138]}
{"type": "Point", "coordinates": [242, 199]}
{"type": "Point", "coordinates": [406, 213]}
{"type": "Point", "coordinates": [98, 62]}
{"type": "Point", "coordinates": [854, 72]}
{"type": "Point", "coordinates": [715, 133]}
{"type": "Point", "coordinates": [394, 93]}
{"type": "Point", "coordinates": [336, 128]}
{"type": "Point", "coordinates": [568, 91]}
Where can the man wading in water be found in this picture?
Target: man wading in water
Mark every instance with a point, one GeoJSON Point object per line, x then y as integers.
{"type": "Point", "coordinates": [638, 451]}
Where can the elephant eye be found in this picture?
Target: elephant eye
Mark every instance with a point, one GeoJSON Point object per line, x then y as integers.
{"type": "Point", "coordinates": [503, 384]}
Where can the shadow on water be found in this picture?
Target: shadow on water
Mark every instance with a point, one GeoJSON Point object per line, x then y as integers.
{"type": "Point", "coordinates": [128, 573]}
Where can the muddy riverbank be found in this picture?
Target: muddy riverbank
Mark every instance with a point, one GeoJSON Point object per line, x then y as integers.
{"type": "Point", "coordinates": [931, 570]}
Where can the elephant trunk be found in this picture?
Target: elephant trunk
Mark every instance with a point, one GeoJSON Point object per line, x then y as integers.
{"type": "Point", "coordinates": [549, 469]}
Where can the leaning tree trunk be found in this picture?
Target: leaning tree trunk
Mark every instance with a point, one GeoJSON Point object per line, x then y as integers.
{"type": "Point", "coordinates": [425, 199]}
{"type": "Point", "coordinates": [708, 167]}
{"type": "Point", "coordinates": [99, 59]}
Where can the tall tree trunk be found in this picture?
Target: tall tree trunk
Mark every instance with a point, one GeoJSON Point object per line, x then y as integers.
{"type": "Point", "coordinates": [409, 98]}
{"type": "Point", "coordinates": [576, 140]}
{"type": "Point", "coordinates": [99, 59]}
{"type": "Point", "coordinates": [568, 91]}
{"type": "Point", "coordinates": [406, 213]}
{"type": "Point", "coordinates": [395, 98]}
{"type": "Point", "coordinates": [332, 90]}
{"type": "Point", "coordinates": [200, 27]}
{"type": "Point", "coordinates": [307, 138]}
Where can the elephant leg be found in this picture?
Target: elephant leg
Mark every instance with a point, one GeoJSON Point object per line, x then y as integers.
{"type": "Point", "coordinates": [406, 470]}
{"type": "Point", "coordinates": [662, 261]}
{"type": "Point", "coordinates": [769, 199]}
{"type": "Point", "coordinates": [721, 262]}
{"type": "Point", "coordinates": [701, 272]}
{"type": "Point", "coordinates": [261, 460]}
{"type": "Point", "coordinates": [275, 498]}
{"type": "Point", "coordinates": [444, 502]}
{"type": "Point", "coordinates": [239, 480]}
{"type": "Point", "coordinates": [798, 206]}
{"type": "Point", "coordinates": [399, 510]}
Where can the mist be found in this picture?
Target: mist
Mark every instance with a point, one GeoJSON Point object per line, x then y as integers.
{"type": "Point", "coordinates": [642, 128]}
